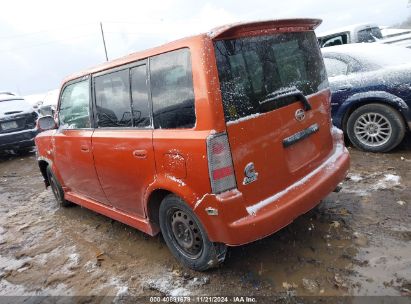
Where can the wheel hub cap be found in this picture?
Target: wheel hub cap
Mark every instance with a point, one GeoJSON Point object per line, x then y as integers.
{"type": "Point", "coordinates": [372, 129]}
{"type": "Point", "coordinates": [186, 233]}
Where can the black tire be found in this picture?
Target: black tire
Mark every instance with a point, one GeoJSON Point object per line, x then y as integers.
{"type": "Point", "coordinates": [191, 247]}
{"type": "Point", "coordinates": [57, 189]}
{"type": "Point", "coordinates": [366, 134]}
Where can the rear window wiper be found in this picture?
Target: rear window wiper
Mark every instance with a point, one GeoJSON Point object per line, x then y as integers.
{"type": "Point", "coordinates": [287, 92]}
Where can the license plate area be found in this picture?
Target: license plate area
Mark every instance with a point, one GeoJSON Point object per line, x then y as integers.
{"type": "Point", "coordinates": [9, 125]}
{"type": "Point", "coordinates": [301, 149]}
{"type": "Point", "coordinates": [301, 154]}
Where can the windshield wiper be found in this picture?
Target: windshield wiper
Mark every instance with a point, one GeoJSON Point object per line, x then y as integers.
{"type": "Point", "coordinates": [287, 92]}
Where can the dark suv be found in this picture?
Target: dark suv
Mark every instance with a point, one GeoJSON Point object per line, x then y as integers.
{"type": "Point", "coordinates": [17, 123]}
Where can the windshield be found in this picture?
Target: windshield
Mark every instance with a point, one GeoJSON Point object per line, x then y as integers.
{"type": "Point", "coordinates": [257, 71]}
{"type": "Point", "coordinates": [369, 35]}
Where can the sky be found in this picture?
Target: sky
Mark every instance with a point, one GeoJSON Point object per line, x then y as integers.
{"type": "Point", "coordinates": [43, 41]}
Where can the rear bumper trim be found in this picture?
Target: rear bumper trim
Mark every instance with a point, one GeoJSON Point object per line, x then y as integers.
{"type": "Point", "coordinates": [18, 139]}
{"type": "Point", "coordinates": [238, 224]}
{"type": "Point", "coordinates": [338, 151]}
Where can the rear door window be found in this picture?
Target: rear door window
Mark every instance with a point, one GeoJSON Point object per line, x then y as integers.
{"type": "Point", "coordinates": [172, 90]}
{"type": "Point", "coordinates": [113, 102]}
{"type": "Point", "coordinates": [253, 70]}
{"type": "Point", "coordinates": [335, 40]}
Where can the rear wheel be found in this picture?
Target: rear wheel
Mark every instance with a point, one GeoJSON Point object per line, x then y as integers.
{"type": "Point", "coordinates": [57, 189]}
{"type": "Point", "coordinates": [186, 237]}
{"type": "Point", "coordinates": [375, 128]}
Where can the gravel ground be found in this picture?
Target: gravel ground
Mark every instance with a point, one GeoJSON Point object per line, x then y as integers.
{"type": "Point", "coordinates": [356, 242]}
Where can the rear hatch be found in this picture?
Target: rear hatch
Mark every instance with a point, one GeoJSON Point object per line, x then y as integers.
{"type": "Point", "coordinates": [276, 105]}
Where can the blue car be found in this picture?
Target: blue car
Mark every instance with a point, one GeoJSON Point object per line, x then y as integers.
{"type": "Point", "coordinates": [371, 93]}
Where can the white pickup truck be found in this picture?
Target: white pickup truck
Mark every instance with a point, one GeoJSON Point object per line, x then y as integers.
{"type": "Point", "coordinates": [365, 33]}
{"type": "Point", "coordinates": [400, 37]}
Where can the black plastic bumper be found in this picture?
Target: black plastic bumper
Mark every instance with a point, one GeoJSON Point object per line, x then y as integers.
{"type": "Point", "coordinates": [16, 140]}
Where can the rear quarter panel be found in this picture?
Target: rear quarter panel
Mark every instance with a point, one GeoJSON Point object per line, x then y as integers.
{"type": "Point", "coordinates": [181, 164]}
{"type": "Point", "coordinates": [181, 154]}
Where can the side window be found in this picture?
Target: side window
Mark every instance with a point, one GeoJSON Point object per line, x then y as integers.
{"type": "Point", "coordinates": [113, 99]}
{"type": "Point", "coordinates": [74, 111]}
{"type": "Point", "coordinates": [335, 67]}
{"type": "Point", "coordinates": [335, 40]}
{"type": "Point", "coordinates": [172, 90]}
{"type": "Point", "coordinates": [139, 95]}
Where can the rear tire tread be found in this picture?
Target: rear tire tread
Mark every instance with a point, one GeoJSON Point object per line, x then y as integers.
{"type": "Point", "coordinates": [213, 253]}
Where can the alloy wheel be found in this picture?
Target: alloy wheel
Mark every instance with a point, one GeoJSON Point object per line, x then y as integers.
{"type": "Point", "coordinates": [372, 129]}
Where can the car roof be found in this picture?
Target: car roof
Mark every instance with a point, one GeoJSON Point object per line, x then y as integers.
{"type": "Point", "coordinates": [356, 48]}
{"type": "Point", "coordinates": [216, 33]}
{"type": "Point", "coordinates": [7, 93]}
{"type": "Point", "coordinates": [371, 55]}
{"type": "Point", "coordinates": [8, 96]}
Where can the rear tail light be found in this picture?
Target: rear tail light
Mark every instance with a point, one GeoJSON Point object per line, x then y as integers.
{"type": "Point", "coordinates": [220, 163]}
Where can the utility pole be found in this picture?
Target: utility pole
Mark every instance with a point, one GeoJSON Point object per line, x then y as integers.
{"type": "Point", "coordinates": [104, 41]}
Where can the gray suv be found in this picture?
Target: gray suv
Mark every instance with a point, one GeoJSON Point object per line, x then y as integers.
{"type": "Point", "coordinates": [17, 123]}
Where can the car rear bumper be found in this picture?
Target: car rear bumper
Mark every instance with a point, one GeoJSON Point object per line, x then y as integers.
{"type": "Point", "coordinates": [19, 139]}
{"type": "Point", "coordinates": [234, 227]}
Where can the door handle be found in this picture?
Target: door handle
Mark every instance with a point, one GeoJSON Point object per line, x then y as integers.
{"type": "Point", "coordinates": [140, 153]}
{"type": "Point", "coordinates": [84, 149]}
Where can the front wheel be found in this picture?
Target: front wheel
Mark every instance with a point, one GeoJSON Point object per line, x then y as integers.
{"type": "Point", "coordinates": [375, 128]}
{"type": "Point", "coordinates": [57, 189]}
{"type": "Point", "coordinates": [186, 237]}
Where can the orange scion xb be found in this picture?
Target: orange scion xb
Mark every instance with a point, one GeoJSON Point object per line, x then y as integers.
{"type": "Point", "coordinates": [215, 140]}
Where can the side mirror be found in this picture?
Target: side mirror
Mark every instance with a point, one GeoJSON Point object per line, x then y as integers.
{"type": "Point", "coordinates": [46, 123]}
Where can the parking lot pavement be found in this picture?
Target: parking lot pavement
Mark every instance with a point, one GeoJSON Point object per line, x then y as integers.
{"type": "Point", "coordinates": [356, 242]}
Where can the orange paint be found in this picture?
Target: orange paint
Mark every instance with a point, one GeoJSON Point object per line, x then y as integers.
{"type": "Point", "coordinates": [115, 171]}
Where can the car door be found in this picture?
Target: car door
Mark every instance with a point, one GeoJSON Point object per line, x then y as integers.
{"type": "Point", "coordinates": [123, 140]}
{"type": "Point", "coordinates": [72, 142]}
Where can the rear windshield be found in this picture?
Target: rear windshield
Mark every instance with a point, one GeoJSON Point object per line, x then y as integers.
{"type": "Point", "coordinates": [369, 35]}
{"type": "Point", "coordinates": [263, 73]}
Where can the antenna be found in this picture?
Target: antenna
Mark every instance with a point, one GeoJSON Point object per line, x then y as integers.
{"type": "Point", "coordinates": [104, 41]}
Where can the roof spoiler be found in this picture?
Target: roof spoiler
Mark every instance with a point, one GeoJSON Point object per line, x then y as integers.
{"type": "Point", "coordinates": [235, 29]}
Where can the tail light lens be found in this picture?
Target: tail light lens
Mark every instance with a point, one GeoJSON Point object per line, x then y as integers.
{"type": "Point", "coordinates": [220, 163]}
